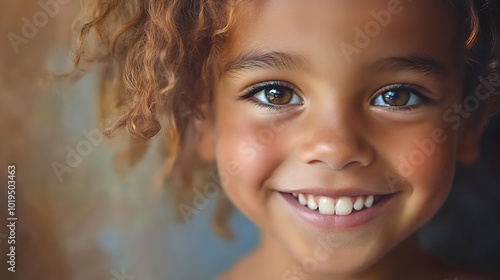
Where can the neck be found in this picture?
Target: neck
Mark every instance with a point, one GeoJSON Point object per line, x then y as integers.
{"type": "Point", "coordinates": [402, 262]}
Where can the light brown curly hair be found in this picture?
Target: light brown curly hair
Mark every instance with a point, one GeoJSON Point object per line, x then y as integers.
{"type": "Point", "coordinates": [158, 56]}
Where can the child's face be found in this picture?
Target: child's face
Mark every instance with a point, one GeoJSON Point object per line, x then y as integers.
{"type": "Point", "coordinates": [339, 115]}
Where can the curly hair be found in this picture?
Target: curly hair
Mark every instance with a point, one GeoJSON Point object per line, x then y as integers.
{"type": "Point", "coordinates": [158, 55]}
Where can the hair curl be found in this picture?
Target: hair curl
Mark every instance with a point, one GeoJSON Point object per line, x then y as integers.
{"type": "Point", "coordinates": [158, 54]}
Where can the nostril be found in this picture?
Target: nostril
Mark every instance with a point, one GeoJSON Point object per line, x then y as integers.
{"type": "Point", "coordinates": [338, 154]}
{"type": "Point", "coordinates": [338, 165]}
{"type": "Point", "coordinates": [315, 161]}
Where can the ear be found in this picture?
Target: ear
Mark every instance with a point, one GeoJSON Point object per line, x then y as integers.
{"type": "Point", "coordinates": [469, 144]}
{"type": "Point", "coordinates": [205, 131]}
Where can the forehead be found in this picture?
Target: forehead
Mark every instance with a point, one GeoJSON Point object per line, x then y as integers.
{"type": "Point", "coordinates": [347, 32]}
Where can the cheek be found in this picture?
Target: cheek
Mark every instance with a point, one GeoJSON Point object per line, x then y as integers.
{"type": "Point", "coordinates": [429, 164]}
{"type": "Point", "coordinates": [425, 162]}
{"type": "Point", "coordinates": [246, 153]}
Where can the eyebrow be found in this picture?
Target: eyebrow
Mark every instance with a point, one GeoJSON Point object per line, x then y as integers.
{"type": "Point", "coordinates": [423, 64]}
{"type": "Point", "coordinates": [255, 59]}
{"type": "Point", "coordinates": [264, 60]}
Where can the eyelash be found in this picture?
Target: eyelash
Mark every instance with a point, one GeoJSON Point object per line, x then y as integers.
{"type": "Point", "coordinates": [424, 100]}
{"type": "Point", "coordinates": [254, 89]}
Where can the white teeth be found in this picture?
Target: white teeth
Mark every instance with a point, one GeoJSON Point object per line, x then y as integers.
{"type": "Point", "coordinates": [311, 203]}
{"type": "Point", "coordinates": [326, 206]}
{"type": "Point", "coordinates": [358, 204]}
{"type": "Point", "coordinates": [302, 199]}
{"type": "Point", "coordinates": [369, 201]}
{"type": "Point", "coordinates": [343, 206]}
{"type": "Point", "coordinates": [339, 206]}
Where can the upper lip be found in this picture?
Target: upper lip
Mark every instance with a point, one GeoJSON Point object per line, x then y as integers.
{"type": "Point", "coordinates": [331, 192]}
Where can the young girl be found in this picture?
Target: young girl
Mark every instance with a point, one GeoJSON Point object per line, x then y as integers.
{"type": "Point", "coordinates": [335, 126]}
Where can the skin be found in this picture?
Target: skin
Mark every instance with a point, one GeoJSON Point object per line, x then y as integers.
{"type": "Point", "coordinates": [336, 136]}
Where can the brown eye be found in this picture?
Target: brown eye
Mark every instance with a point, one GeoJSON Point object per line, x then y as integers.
{"type": "Point", "coordinates": [400, 96]}
{"type": "Point", "coordinates": [273, 95]}
{"type": "Point", "coordinates": [278, 96]}
{"type": "Point", "coordinates": [397, 98]}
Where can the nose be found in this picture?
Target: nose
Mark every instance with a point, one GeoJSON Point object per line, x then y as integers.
{"type": "Point", "coordinates": [335, 138]}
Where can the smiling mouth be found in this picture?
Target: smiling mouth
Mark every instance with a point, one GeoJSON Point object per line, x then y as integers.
{"type": "Point", "coordinates": [340, 206]}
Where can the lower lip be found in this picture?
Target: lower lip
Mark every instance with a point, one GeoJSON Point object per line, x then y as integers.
{"type": "Point", "coordinates": [336, 221]}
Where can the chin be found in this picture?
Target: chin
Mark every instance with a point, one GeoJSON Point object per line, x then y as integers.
{"type": "Point", "coordinates": [323, 259]}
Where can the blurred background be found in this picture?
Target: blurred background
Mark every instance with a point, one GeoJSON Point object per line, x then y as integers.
{"type": "Point", "coordinates": [84, 215]}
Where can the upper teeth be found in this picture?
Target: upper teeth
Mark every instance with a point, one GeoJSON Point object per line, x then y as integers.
{"type": "Point", "coordinates": [339, 206]}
